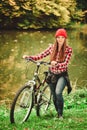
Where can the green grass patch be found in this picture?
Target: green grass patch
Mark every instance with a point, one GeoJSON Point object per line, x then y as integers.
{"type": "Point", "coordinates": [75, 116]}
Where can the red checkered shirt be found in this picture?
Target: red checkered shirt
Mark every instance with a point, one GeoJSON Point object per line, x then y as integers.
{"type": "Point", "coordinates": [60, 67]}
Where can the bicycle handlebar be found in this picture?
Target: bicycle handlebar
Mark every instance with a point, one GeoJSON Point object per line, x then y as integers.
{"type": "Point", "coordinates": [37, 62]}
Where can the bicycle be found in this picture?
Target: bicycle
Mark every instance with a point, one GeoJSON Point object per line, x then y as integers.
{"type": "Point", "coordinates": [35, 93]}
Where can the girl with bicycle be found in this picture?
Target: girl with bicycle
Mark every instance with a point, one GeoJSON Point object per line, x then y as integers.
{"type": "Point", "coordinates": [60, 55]}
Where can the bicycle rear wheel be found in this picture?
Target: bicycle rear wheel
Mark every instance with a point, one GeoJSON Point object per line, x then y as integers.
{"type": "Point", "coordinates": [22, 105]}
{"type": "Point", "coordinates": [44, 100]}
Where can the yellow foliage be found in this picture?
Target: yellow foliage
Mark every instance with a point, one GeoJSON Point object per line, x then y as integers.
{"type": "Point", "coordinates": [47, 7]}
{"type": "Point", "coordinates": [27, 5]}
{"type": "Point", "coordinates": [12, 2]}
{"type": "Point", "coordinates": [56, 12]}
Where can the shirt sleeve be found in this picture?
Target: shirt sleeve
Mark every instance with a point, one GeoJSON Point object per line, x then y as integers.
{"type": "Point", "coordinates": [67, 59]}
{"type": "Point", "coordinates": [41, 55]}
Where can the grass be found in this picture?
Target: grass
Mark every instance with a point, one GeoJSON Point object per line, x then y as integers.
{"type": "Point", "coordinates": [75, 116]}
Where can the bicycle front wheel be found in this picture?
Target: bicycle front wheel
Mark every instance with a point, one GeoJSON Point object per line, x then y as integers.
{"type": "Point", "coordinates": [22, 105]}
{"type": "Point", "coordinates": [44, 100]}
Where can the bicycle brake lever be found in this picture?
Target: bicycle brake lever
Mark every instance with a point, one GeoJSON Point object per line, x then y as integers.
{"type": "Point", "coordinates": [28, 59]}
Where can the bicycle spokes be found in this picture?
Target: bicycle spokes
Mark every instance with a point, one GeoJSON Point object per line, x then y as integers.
{"type": "Point", "coordinates": [44, 101]}
{"type": "Point", "coordinates": [22, 105]}
{"type": "Point", "coordinates": [24, 101]}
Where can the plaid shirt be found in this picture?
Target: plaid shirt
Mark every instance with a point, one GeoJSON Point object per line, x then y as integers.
{"type": "Point", "coordinates": [60, 67]}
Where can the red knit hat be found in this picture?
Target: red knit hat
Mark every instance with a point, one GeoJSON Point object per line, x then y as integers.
{"type": "Point", "coordinates": [61, 32]}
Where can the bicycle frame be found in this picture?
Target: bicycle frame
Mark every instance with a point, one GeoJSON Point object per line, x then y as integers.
{"type": "Point", "coordinates": [35, 78]}
{"type": "Point", "coordinates": [30, 95]}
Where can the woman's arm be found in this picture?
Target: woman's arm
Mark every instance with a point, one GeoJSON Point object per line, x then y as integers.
{"type": "Point", "coordinates": [41, 55]}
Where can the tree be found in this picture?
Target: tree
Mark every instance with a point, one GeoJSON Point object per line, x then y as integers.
{"type": "Point", "coordinates": [37, 14]}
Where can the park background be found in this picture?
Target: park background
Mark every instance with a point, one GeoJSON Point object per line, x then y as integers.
{"type": "Point", "coordinates": [28, 27]}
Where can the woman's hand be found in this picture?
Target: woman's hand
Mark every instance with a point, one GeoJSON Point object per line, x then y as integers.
{"type": "Point", "coordinates": [24, 56]}
{"type": "Point", "coordinates": [53, 63]}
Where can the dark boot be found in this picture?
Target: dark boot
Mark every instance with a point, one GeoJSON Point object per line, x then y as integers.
{"type": "Point", "coordinates": [59, 104]}
{"type": "Point", "coordinates": [60, 116]}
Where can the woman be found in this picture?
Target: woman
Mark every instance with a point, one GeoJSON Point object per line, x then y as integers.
{"type": "Point", "coordinates": [60, 54]}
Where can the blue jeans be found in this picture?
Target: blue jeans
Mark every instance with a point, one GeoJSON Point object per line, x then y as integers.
{"type": "Point", "coordinates": [56, 90]}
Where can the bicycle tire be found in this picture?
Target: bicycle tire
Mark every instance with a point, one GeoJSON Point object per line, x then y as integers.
{"type": "Point", "coordinates": [22, 105]}
{"type": "Point", "coordinates": [44, 100]}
